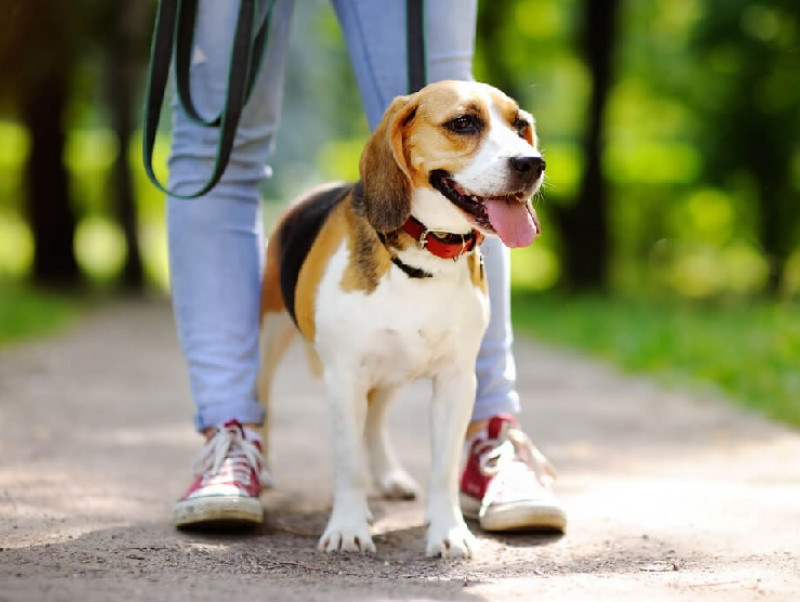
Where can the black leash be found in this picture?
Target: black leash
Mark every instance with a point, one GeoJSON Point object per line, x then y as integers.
{"type": "Point", "coordinates": [174, 31]}
{"type": "Point", "coordinates": [415, 43]}
{"type": "Point", "coordinates": [174, 34]}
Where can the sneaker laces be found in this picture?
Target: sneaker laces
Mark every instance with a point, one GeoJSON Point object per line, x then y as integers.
{"type": "Point", "coordinates": [512, 450]}
{"type": "Point", "coordinates": [229, 451]}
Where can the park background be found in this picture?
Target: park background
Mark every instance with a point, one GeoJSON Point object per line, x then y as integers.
{"type": "Point", "coordinates": [671, 130]}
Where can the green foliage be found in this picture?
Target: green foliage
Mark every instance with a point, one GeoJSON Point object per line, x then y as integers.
{"type": "Point", "coordinates": [748, 351]}
{"type": "Point", "coordinates": [704, 111]}
{"type": "Point", "coordinates": [25, 313]}
{"type": "Point", "coordinates": [718, 82]}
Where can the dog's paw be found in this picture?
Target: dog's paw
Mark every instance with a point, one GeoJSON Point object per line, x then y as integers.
{"type": "Point", "coordinates": [398, 485]}
{"type": "Point", "coordinates": [346, 536]}
{"type": "Point", "coordinates": [450, 541]}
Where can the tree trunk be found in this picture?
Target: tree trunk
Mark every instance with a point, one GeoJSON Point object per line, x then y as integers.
{"type": "Point", "coordinates": [777, 219]}
{"type": "Point", "coordinates": [584, 225]}
{"type": "Point", "coordinates": [49, 210]}
{"type": "Point", "coordinates": [123, 76]}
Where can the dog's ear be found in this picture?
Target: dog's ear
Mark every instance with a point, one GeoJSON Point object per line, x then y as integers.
{"type": "Point", "coordinates": [384, 194]}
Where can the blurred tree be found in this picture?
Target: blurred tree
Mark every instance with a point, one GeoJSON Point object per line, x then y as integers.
{"type": "Point", "coordinates": [746, 92]}
{"type": "Point", "coordinates": [584, 224]}
{"type": "Point", "coordinates": [44, 45]}
{"type": "Point", "coordinates": [37, 55]}
{"type": "Point", "coordinates": [122, 30]}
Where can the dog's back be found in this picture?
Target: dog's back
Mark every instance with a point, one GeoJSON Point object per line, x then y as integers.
{"type": "Point", "coordinates": [291, 243]}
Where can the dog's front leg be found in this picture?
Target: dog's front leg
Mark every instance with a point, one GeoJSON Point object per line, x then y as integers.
{"type": "Point", "coordinates": [451, 407]}
{"type": "Point", "coordinates": [348, 526]}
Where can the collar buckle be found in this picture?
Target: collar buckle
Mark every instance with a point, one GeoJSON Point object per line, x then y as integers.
{"type": "Point", "coordinates": [463, 247]}
{"type": "Point", "coordinates": [422, 239]}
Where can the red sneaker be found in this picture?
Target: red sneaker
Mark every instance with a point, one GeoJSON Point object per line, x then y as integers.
{"type": "Point", "coordinates": [229, 475]}
{"type": "Point", "coordinates": [507, 484]}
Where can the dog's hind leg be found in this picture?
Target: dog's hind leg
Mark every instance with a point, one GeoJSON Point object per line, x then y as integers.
{"type": "Point", "coordinates": [277, 332]}
{"type": "Point", "coordinates": [390, 477]}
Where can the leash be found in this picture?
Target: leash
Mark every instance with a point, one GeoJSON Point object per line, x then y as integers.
{"type": "Point", "coordinates": [174, 34]}
{"type": "Point", "coordinates": [415, 44]}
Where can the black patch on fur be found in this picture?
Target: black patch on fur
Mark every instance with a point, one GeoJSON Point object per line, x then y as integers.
{"type": "Point", "coordinates": [298, 231]}
{"type": "Point", "coordinates": [410, 270]}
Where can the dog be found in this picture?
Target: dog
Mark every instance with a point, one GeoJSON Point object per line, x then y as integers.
{"type": "Point", "coordinates": [384, 279]}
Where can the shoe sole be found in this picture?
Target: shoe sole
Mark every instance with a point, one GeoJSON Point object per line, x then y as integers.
{"type": "Point", "coordinates": [218, 511]}
{"type": "Point", "coordinates": [522, 516]}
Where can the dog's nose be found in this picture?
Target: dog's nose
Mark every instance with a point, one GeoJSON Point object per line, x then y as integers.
{"type": "Point", "coordinates": [532, 167]}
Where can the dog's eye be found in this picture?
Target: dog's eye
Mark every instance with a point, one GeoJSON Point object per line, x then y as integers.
{"type": "Point", "coordinates": [521, 127]}
{"type": "Point", "coordinates": [464, 124]}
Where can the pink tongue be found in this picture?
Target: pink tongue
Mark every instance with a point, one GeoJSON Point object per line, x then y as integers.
{"type": "Point", "coordinates": [512, 222]}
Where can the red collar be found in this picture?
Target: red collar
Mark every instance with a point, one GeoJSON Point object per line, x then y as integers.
{"type": "Point", "coordinates": [447, 246]}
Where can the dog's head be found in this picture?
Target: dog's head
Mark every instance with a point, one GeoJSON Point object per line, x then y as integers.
{"type": "Point", "coordinates": [462, 144]}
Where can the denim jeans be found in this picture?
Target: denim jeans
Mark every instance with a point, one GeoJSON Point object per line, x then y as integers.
{"type": "Point", "coordinates": [216, 243]}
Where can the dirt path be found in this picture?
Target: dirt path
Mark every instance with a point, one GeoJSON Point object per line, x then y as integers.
{"type": "Point", "coordinates": [669, 498]}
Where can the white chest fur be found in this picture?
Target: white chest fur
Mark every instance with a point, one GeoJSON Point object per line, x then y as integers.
{"type": "Point", "coordinates": [406, 328]}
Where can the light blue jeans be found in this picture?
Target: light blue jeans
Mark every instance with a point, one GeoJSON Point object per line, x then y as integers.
{"type": "Point", "coordinates": [216, 243]}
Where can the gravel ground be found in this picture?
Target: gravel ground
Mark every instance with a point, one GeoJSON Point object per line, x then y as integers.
{"type": "Point", "coordinates": [670, 497]}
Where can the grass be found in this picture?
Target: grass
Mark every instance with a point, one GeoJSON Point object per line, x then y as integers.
{"type": "Point", "coordinates": [26, 313]}
{"type": "Point", "coordinates": [750, 352]}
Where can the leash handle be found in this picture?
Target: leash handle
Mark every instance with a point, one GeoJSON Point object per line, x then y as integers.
{"type": "Point", "coordinates": [174, 30]}
{"type": "Point", "coordinates": [415, 36]}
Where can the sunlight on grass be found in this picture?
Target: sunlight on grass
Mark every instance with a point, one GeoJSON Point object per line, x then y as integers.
{"type": "Point", "coordinates": [99, 247]}
{"type": "Point", "coordinates": [90, 150]}
{"type": "Point", "coordinates": [749, 352]}
{"type": "Point", "coordinates": [15, 142]}
{"type": "Point", "coordinates": [16, 245]}
{"type": "Point", "coordinates": [26, 313]}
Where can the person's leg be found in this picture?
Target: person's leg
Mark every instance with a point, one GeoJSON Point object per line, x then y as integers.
{"type": "Point", "coordinates": [375, 33]}
{"type": "Point", "coordinates": [215, 241]}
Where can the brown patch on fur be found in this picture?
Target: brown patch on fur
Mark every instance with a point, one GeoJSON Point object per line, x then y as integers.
{"type": "Point", "coordinates": [328, 240]}
{"type": "Point", "coordinates": [510, 111]}
{"type": "Point", "coordinates": [369, 259]}
{"type": "Point", "coordinates": [476, 271]}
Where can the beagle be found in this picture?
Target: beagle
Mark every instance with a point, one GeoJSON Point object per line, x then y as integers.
{"type": "Point", "coordinates": [384, 278]}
